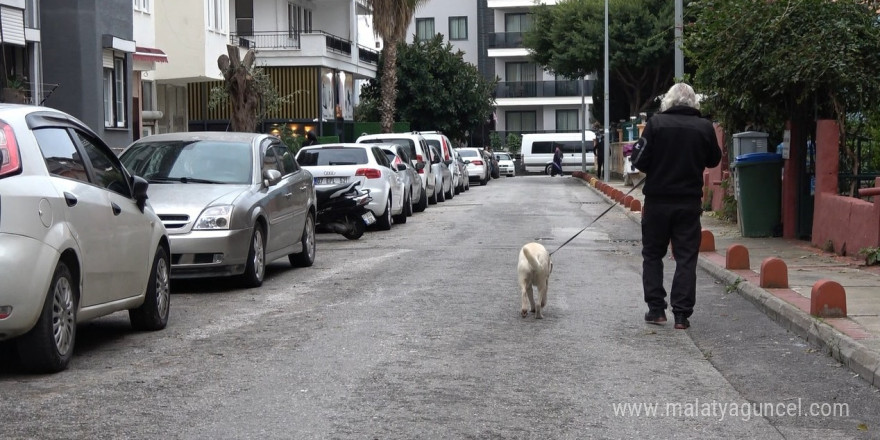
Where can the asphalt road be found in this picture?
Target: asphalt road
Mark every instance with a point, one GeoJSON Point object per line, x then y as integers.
{"type": "Point", "coordinates": [416, 333]}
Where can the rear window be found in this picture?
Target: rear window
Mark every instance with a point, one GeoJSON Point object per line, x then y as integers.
{"type": "Point", "coordinates": [405, 142]}
{"type": "Point", "coordinates": [468, 153]}
{"type": "Point", "coordinates": [332, 156]}
{"type": "Point", "coordinates": [433, 143]}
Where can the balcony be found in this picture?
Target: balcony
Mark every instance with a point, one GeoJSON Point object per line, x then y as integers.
{"type": "Point", "coordinates": [505, 40]}
{"type": "Point", "coordinates": [542, 89]}
{"type": "Point", "coordinates": [277, 48]}
{"type": "Point", "coordinates": [290, 40]}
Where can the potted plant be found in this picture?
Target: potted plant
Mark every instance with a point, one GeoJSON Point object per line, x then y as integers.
{"type": "Point", "coordinates": [15, 90]}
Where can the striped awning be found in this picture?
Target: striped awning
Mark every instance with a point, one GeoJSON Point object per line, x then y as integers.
{"type": "Point", "coordinates": [149, 54]}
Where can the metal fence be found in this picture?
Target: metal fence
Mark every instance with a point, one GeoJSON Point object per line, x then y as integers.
{"type": "Point", "coordinates": [867, 153]}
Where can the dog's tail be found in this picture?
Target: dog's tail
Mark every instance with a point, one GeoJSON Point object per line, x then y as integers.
{"type": "Point", "coordinates": [532, 260]}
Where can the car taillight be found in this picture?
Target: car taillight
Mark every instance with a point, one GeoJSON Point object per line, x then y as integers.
{"type": "Point", "coordinates": [477, 162]}
{"type": "Point", "coordinates": [419, 159]}
{"type": "Point", "coordinates": [10, 163]}
{"type": "Point", "coordinates": [369, 173]}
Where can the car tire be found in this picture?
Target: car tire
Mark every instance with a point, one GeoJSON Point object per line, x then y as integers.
{"type": "Point", "coordinates": [306, 257]}
{"type": "Point", "coordinates": [423, 201]}
{"type": "Point", "coordinates": [48, 346]}
{"type": "Point", "coordinates": [450, 194]}
{"type": "Point", "coordinates": [441, 195]}
{"type": "Point", "coordinates": [408, 206]}
{"type": "Point", "coordinates": [357, 229]}
{"type": "Point", "coordinates": [152, 315]}
{"type": "Point", "coordinates": [548, 170]}
{"type": "Point", "coordinates": [484, 181]}
{"type": "Point", "coordinates": [383, 222]}
{"type": "Point", "coordinates": [255, 269]}
{"type": "Point", "coordinates": [401, 218]}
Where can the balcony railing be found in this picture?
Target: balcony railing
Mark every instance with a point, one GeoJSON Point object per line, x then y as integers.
{"type": "Point", "coordinates": [368, 56]}
{"type": "Point", "coordinates": [287, 40]}
{"type": "Point", "coordinates": [542, 89]}
{"type": "Point", "coordinates": [505, 40]}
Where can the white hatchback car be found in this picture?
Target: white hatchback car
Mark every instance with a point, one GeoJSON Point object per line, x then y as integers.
{"type": "Point", "coordinates": [77, 237]}
{"type": "Point", "coordinates": [506, 164]}
{"type": "Point", "coordinates": [477, 166]}
{"type": "Point", "coordinates": [332, 164]}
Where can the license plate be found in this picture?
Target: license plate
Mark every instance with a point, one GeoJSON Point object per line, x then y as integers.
{"type": "Point", "coordinates": [330, 180]}
{"type": "Point", "coordinates": [368, 217]}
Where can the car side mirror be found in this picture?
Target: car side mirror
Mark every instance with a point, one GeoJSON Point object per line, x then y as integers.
{"type": "Point", "coordinates": [401, 167]}
{"type": "Point", "coordinates": [139, 189]}
{"type": "Point", "coordinates": [271, 177]}
{"type": "Point", "coordinates": [420, 166]}
{"type": "Point", "coordinates": [447, 162]}
{"type": "Point", "coordinates": [467, 162]}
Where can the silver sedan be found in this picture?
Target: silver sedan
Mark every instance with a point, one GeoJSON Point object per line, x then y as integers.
{"type": "Point", "coordinates": [231, 202]}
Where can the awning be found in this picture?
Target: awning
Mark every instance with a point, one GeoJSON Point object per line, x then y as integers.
{"type": "Point", "coordinates": [149, 54]}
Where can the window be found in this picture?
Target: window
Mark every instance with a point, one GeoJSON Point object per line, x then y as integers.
{"type": "Point", "coordinates": [271, 160]}
{"type": "Point", "coordinates": [142, 6]}
{"type": "Point", "coordinates": [522, 79]}
{"type": "Point", "coordinates": [424, 29]}
{"type": "Point", "coordinates": [458, 28]}
{"type": "Point", "coordinates": [108, 174]}
{"type": "Point", "coordinates": [115, 86]}
{"type": "Point", "coordinates": [216, 15]}
{"type": "Point", "coordinates": [521, 121]}
{"type": "Point", "coordinates": [517, 22]}
{"type": "Point", "coordinates": [299, 20]}
{"type": "Point", "coordinates": [59, 152]}
{"type": "Point", "coordinates": [566, 120]}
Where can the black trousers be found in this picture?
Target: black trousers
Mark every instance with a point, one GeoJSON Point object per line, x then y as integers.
{"type": "Point", "coordinates": [676, 222]}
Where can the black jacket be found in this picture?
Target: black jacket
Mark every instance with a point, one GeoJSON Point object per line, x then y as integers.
{"type": "Point", "coordinates": [676, 146]}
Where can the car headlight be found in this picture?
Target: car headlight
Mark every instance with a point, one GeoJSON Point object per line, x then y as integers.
{"type": "Point", "coordinates": [215, 217]}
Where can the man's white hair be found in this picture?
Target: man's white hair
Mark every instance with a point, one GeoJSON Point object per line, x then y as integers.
{"type": "Point", "coordinates": [680, 94]}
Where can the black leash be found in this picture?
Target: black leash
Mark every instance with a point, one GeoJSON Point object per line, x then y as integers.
{"type": "Point", "coordinates": [597, 218]}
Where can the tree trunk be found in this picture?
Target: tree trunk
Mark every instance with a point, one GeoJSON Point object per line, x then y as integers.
{"type": "Point", "coordinates": [389, 88]}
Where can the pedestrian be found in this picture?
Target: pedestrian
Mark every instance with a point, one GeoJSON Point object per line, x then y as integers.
{"type": "Point", "coordinates": [676, 146]}
{"type": "Point", "coordinates": [557, 163]}
{"type": "Point", "coordinates": [599, 149]}
{"type": "Point", "coordinates": [311, 139]}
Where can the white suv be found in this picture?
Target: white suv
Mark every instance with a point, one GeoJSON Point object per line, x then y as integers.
{"type": "Point", "coordinates": [419, 152]}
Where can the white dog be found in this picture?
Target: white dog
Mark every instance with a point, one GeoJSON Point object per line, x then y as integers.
{"type": "Point", "coordinates": [533, 269]}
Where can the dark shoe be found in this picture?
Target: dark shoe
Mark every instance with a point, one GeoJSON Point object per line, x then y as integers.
{"type": "Point", "coordinates": [681, 323]}
{"type": "Point", "coordinates": [655, 317]}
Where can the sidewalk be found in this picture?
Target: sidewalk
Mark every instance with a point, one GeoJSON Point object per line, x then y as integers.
{"type": "Point", "coordinates": [853, 340]}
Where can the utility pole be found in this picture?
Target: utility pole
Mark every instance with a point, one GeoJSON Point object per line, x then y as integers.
{"type": "Point", "coordinates": [607, 152]}
{"type": "Point", "coordinates": [679, 57]}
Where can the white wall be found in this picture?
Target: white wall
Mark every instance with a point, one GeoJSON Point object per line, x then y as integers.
{"type": "Point", "coordinates": [440, 11]}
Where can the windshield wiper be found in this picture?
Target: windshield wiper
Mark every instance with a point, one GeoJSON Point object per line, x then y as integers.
{"type": "Point", "coordinates": [181, 180]}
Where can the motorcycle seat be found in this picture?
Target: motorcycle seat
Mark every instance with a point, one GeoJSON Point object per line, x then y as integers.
{"type": "Point", "coordinates": [327, 193]}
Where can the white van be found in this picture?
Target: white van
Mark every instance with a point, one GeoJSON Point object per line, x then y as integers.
{"type": "Point", "coordinates": [538, 148]}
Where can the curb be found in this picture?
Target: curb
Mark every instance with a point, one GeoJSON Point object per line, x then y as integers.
{"type": "Point", "coordinates": [856, 356]}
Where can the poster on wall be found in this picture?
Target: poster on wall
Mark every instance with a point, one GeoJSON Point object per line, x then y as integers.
{"type": "Point", "coordinates": [328, 97]}
{"type": "Point", "coordinates": [346, 91]}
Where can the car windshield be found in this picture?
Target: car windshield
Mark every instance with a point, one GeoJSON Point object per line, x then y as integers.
{"type": "Point", "coordinates": [502, 156]}
{"type": "Point", "coordinates": [190, 161]}
{"type": "Point", "coordinates": [332, 156]}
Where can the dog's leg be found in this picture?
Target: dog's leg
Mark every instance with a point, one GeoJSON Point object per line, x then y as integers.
{"type": "Point", "coordinates": [542, 293]}
{"type": "Point", "coordinates": [525, 305]}
{"type": "Point", "coordinates": [532, 299]}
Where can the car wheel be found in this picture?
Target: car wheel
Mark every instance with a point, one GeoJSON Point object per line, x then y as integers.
{"type": "Point", "coordinates": [548, 170]}
{"type": "Point", "coordinates": [306, 257]}
{"type": "Point", "coordinates": [255, 268]}
{"type": "Point", "coordinates": [423, 201]}
{"type": "Point", "coordinates": [484, 181]}
{"type": "Point", "coordinates": [48, 346]}
{"type": "Point", "coordinates": [433, 199]}
{"type": "Point", "coordinates": [451, 193]}
{"type": "Point", "coordinates": [441, 195]}
{"type": "Point", "coordinates": [401, 218]}
{"type": "Point", "coordinates": [357, 229]}
{"type": "Point", "coordinates": [408, 206]}
{"type": "Point", "coordinates": [383, 222]}
{"type": "Point", "coordinates": [153, 313]}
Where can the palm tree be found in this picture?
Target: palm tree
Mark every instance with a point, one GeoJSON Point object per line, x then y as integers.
{"type": "Point", "coordinates": [391, 18]}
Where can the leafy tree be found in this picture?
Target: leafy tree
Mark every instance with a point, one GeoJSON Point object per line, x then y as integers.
{"type": "Point", "coordinates": [514, 143]}
{"type": "Point", "coordinates": [775, 60]}
{"type": "Point", "coordinates": [568, 39]}
{"type": "Point", "coordinates": [247, 89]}
{"type": "Point", "coordinates": [391, 18]}
{"type": "Point", "coordinates": [495, 142]}
{"type": "Point", "coordinates": [437, 89]}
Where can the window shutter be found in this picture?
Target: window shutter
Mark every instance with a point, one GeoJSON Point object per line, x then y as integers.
{"type": "Point", "coordinates": [12, 25]}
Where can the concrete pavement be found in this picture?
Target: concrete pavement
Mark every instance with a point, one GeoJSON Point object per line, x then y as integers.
{"type": "Point", "coordinates": [854, 340]}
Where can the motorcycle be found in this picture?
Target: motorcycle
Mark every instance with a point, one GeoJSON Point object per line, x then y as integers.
{"type": "Point", "coordinates": [343, 209]}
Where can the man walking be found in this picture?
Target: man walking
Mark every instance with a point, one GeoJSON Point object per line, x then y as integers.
{"type": "Point", "coordinates": [677, 144]}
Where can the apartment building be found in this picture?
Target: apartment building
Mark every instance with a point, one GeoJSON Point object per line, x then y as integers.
{"type": "Point", "coordinates": [528, 98]}
{"type": "Point", "coordinates": [456, 20]}
{"type": "Point", "coordinates": [21, 76]}
{"type": "Point", "coordinates": [309, 48]}
{"type": "Point", "coordinates": [86, 50]}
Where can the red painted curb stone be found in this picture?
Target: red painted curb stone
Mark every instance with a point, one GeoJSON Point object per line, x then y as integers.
{"type": "Point", "coordinates": [828, 299]}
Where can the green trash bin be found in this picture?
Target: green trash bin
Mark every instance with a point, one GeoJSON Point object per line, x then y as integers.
{"type": "Point", "coordinates": [758, 193]}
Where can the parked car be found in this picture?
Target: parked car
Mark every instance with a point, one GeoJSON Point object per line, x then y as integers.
{"type": "Point", "coordinates": [78, 239]}
{"type": "Point", "coordinates": [332, 164]}
{"type": "Point", "coordinates": [418, 152]}
{"type": "Point", "coordinates": [445, 147]}
{"type": "Point", "coordinates": [464, 183]}
{"type": "Point", "coordinates": [442, 174]}
{"type": "Point", "coordinates": [493, 163]}
{"type": "Point", "coordinates": [231, 202]}
{"type": "Point", "coordinates": [412, 183]}
{"type": "Point", "coordinates": [506, 164]}
{"type": "Point", "coordinates": [477, 165]}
